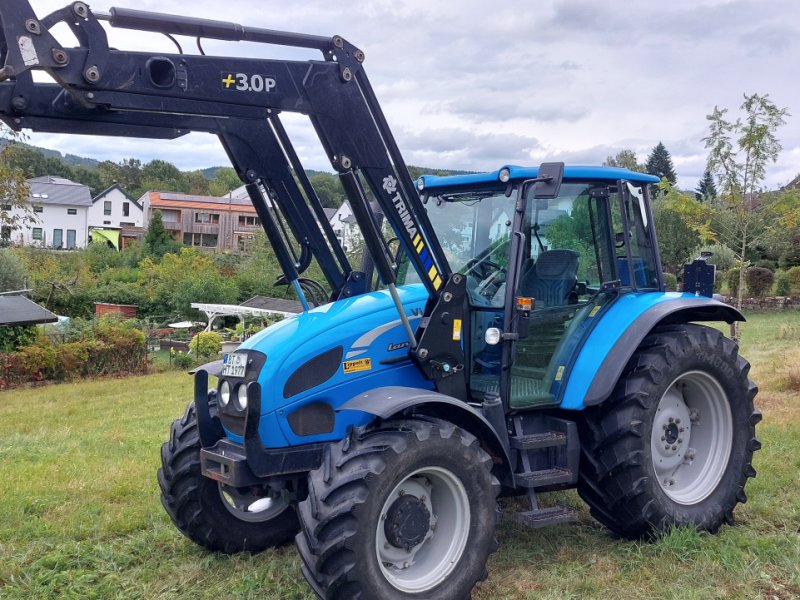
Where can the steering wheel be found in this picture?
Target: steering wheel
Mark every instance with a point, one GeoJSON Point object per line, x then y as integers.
{"type": "Point", "coordinates": [483, 268]}
{"type": "Point", "coordinates": [490, 275]}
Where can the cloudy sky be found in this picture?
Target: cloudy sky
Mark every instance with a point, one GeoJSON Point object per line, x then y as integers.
{"type": "Point", "coordinates": [476, 84]}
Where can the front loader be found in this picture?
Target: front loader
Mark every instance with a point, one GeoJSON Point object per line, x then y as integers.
{"type": "Point", "coordinates": [510, 335]}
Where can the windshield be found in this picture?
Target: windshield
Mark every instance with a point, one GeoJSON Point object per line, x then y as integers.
{"type": "Point", "coordinates": [474, 231]}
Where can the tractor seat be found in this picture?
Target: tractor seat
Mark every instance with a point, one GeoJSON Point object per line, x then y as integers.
{"type": "Point", "coordinates": [551, 279]}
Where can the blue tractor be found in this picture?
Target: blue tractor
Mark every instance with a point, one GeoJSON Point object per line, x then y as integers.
{"type": "Point", "coordinates": [507, 333]}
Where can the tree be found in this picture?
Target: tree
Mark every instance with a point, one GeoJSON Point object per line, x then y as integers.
{"type": "Point", "coordinates": [706, 188]}
{"type": "Point", "coordinates": [159, 175]}
{"type": "Point", "coordinates": [739, 152]}
{"type": "Point", "coordinates": [225, 181]}
{"type": "Point", "coordinates": [182, 278]}
{"type": "Point", "coordinates": [157, 240]}
{"type": "Point", "coordinates": [682, 223]}
{"type": "Point", "coordinates": [127, 173]}
{"type": "Point", "coordinates": [328, 188]}
{"type": "Point", "coordinates": [625, 159]}
{"type": "Point", "coordinates": [15, 209]}
{"type": "Point", "coordinates": [660, 163]}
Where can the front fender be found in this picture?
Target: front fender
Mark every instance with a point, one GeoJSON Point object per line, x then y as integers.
{"type": "Point", "coordinates": [622, 328]}
{"type": "Point", "coordinates": [385, 402]}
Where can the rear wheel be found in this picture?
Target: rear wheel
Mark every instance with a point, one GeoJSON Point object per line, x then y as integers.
{"type": "Point", "coordinates": [213, 515]}
{"type": "Point", "coordinates": [404, 510]}
{"type": "Point", "coordinates": [673, 445]}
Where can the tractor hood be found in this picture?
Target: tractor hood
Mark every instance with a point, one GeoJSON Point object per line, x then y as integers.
{"type": "Point", "coordinates": [330, 354]}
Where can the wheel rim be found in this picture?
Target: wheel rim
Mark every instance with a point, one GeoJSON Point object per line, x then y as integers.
{"type": "Point", "coordinates": [425, 565]}
{"type": "Point", "coordinates": [251, 507]}
{"type": "Point", "coordinates": [692, 437]}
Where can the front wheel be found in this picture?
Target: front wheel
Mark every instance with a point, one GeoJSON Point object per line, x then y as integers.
{"type": "Point", "coordinates": [213, 515]}
{"type": "Point", "coordinates": [407, 509]}
{"type": "Point", "coordinates": [673, 445]}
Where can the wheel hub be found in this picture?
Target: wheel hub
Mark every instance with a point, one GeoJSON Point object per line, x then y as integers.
{"type": "Point", "coordinates": [691, 437]}
{"type": "Point", "coordinates": [422, 529]}
{"type": "Point", "coordinates": [407, 523]}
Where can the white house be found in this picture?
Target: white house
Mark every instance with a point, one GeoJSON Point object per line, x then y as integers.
{"type": "Point", "coordinates": [60, 207]}
{"type": "Point", "coordinates": [345, 227]}
{"type": "Point", "coordinates": [114, 208]}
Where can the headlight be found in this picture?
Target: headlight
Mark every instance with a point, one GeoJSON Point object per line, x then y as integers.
{"type": "Point", "coordinates": [224, 393]}
{"type": "Point", "coordinates": [241, 397]}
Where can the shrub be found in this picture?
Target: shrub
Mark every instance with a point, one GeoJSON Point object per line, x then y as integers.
{"type": "Point", "coordinates": [99, 257]}
{"type": "Point", "coordinates": [766, 264]}
{"type": "Point", "coordinates": [12, 271]}
{"type": "Point", "coordinates": [206, 344]}
{"type": "Point", "coordinates": [793, 275]}
{"type": "Point", "coordinates": [759, 281]}
{"type": "Point", "coordinates": [670, 282]}
{"type": "Point", "coordinates": [123, 274]}
{"type": "Point", "coordinates": [783, 285]}
{"type": "Point", "coordinates": [12, 338]}
{"type": "Point", "coordinates": [732, 278]}
{"type": "Point", "coordinates": [118, 292]}
{"type": "Point", "coordinates": [182, 360]}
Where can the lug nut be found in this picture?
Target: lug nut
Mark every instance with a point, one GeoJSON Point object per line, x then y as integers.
{"type": "Point", "coordinates": [674, 447]}
{"type": "Point", "coordinates": [663, 438]}
{"type": "Point", "coordinates": [671, 420]}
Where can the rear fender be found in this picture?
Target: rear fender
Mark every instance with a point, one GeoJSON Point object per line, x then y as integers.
{"type": "Point", "coordinates": [611, 344]}
{"type": "Point", "coordinates": [386, 402]}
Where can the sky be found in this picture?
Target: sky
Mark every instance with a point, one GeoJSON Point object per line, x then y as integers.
{"type": "Point", "coordinates": [473, 85]}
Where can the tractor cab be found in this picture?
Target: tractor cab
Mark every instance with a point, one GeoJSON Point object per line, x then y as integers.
{"type": "Point", "coordinates": [538, 270]}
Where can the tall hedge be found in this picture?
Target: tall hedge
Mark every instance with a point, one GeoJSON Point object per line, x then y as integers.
{"type": "Point", "coordinates": [111, 350]}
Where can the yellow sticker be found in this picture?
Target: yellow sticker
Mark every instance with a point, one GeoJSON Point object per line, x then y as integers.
{"type": "Point", "coordinates": [594, 311]}
{"type": "Point", "coordinates": [560, 373]}
{"type": "Point", "coordinates": [359, 364]}
{"type": "Point", "coordinates": [456, 330]}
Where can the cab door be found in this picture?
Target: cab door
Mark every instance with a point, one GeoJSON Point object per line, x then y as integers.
{"type": "Point", "coordinates": [569, 273]}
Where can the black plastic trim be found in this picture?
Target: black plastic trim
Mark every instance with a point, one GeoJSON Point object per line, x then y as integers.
{"type": "Point", "coordinates": [313, 372]}
{"type": "Point", "coordinates": [265, 462]}
{"type": "Point", "coordinates": [316, 418]}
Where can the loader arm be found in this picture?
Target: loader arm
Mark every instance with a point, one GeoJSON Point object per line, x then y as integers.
{"type": "Point", "coordinates": [104, 91]}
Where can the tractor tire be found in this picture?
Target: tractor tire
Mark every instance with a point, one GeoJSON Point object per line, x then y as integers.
{"type": "Point", "coordinates": [404, 510]}
{"type": "Point", "coordinates": [213, 515]}
{"type": "Point", "coordinates": [673, 444]}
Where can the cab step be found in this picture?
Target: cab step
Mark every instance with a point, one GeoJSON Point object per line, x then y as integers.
{"type": "Point", "coordinates": [536, 441]}
{"type": "Point", "coordinates": [544, 478]}
{"type": "Point", "coordinates": [544, 517]}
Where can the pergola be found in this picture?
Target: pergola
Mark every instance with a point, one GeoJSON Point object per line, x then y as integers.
{"type": "Point", "coordinates": [213, 311]}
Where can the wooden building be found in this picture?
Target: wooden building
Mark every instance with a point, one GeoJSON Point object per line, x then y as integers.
{"type": "Point", "coordinates": [212, 223]}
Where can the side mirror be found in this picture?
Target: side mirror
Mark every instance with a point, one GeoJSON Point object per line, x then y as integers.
{"type": "Point", "coordinates": [549, 180]}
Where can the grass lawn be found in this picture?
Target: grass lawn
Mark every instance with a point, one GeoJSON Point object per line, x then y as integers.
{"type": "Point", "coordinates": [80, 515]}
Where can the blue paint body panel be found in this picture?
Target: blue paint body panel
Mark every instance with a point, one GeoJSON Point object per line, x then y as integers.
{"type": "Point", "coordinates": [613, 323]}
{"type": "Point", "coordinates": [366, 327]}
{"type": "Point", "coordinates": [433, 182]}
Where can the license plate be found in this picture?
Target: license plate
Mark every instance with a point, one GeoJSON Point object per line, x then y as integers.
{"type": "Point", "coordinates": [234, 365]}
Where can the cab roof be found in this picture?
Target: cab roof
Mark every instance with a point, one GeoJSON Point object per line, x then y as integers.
{"type": "Point", "coordinates": [428, 182]}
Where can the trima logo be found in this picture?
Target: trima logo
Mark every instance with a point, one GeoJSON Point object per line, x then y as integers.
{"type": "Point", "coordinates": [390, 186]}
